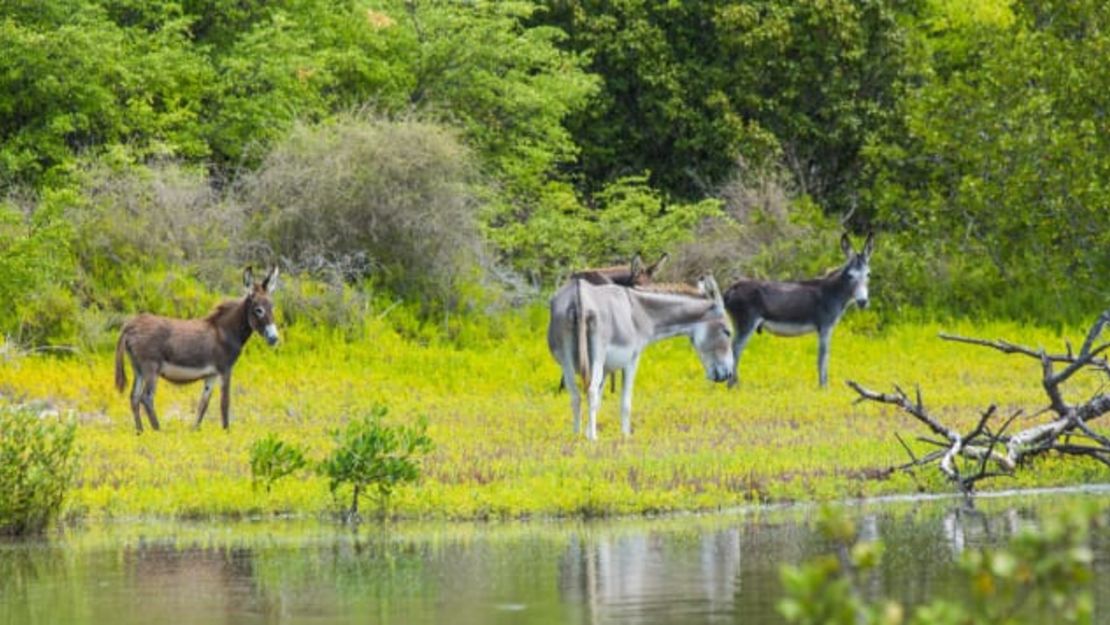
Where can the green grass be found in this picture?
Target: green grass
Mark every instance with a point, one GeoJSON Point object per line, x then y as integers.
{"type": "Point", "coordinates": [504, 445]}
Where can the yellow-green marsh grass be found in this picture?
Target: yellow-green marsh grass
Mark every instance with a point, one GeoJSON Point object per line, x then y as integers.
{"type": "Point", "coordinates": [504, 445]}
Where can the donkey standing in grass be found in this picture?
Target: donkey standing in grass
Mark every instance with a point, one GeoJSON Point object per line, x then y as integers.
{"type": "Point", "coordinates": [635, 274]}
{"type": "Point", "coordinates": [595, 329]}
{"type": "Point", "coordinates": [796, 308]}
{"type": "Point", "coordinates": [187, 350]}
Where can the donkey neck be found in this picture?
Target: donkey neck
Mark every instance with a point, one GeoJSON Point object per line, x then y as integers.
{"type": "Point", "coordinates": [670, 314]}
{"type": "Point", "coordinates": [231, 320]}
{"type": "Point", "coordinates": [837, 288]}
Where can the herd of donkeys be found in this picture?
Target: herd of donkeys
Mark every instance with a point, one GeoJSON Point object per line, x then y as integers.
{"type": "Point", "coordinates": [601, 321]}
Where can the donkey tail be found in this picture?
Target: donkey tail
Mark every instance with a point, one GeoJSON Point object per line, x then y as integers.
{"type": "Point", "coordinates": [583, 343]}
{"type": "Point", "coordinates": [121, 375]}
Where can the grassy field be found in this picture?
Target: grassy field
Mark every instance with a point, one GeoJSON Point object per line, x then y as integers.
{"type": "Point", "coordinates": [504, 445]}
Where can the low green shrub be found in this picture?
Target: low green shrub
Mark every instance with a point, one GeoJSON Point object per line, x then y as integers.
{"type": "Point", "coordinates": [372, 455]}
{"type": "Point", "coordinates": [38, 462]}
{"type": "Point", "coordinates": [272, 459]}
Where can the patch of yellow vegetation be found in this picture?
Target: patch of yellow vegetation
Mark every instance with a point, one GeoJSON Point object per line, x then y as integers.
{"type": "Point", "coordinates": [503, 433]}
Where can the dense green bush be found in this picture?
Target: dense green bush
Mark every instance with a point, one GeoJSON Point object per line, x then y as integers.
{"type": "Point", "coordinates": [182, 141]}
{"type": "Point", "coordinates": [38, 462]}
{"type": "Point", "coordinates": [999, 180]}
{"type": "Point", "coordinates": [372, 455]}
{"type": "Point", "coordinates": [36, 267]}
{"type": "Point", "coordinates": [626, 218]}
{"type": "Point", "coordinates": [687, 88]}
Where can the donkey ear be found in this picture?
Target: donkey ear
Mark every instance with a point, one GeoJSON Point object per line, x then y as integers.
{"type": "Point", "coordinates": [846, 245]}
{"type": "Point", "coordinates": [709, 286]}
{"type": "Point", "coordinates": [657, 265]}
{"type": "Point", "coordinates": [248, 277]}
{"type": "Point", "coordinates": [869, 245]}
{"type": "Point", "coordinates": [270, 283]}
{"type": "Point", "coordinates": [637, 267]}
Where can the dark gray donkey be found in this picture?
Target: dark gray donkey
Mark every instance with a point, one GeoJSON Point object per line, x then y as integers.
{"type": "Point", "coordinates": [187, 350]}
{"type": "Point", "coordinates": [796, 308]}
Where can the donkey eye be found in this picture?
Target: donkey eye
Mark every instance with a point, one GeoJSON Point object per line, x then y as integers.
{"type": "Point", "coordinates": [259, 312]}
{"type": "Point", "coordinates": [728, 332]}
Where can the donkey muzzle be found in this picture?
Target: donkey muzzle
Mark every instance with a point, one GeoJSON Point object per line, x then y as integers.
{"type": "Point", "coordinates": [863, 303]}
{"type": "Point", "coordinates": [719, 374]}
{"type": "Point", "coordinates": [271, 334]}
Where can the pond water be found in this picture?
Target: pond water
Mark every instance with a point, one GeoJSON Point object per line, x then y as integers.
{"type": "Point", "coordinates": [720, 568]}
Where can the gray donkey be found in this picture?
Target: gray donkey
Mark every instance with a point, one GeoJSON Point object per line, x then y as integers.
{"type": "Point", "coordinates": [598, 329]}
{"type": "Point", "coordinates": [633, 274]}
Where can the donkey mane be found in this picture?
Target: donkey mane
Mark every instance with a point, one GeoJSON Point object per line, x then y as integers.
{"type": "Point", "coordinates": [222, 309]}
{"type": "Point", "coordinates": [607, 268]}
{"type": "Point", "coordinates": [673, 288]}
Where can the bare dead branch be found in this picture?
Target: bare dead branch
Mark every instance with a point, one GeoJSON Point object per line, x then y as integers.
{"type": "Point", "coordinates": [981, 444]}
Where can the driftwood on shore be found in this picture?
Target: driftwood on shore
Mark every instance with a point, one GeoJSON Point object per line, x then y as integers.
{"type": "Point", "coordinates": [997, 451]}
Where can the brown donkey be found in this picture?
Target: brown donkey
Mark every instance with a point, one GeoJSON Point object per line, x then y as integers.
{"type": "Point", "coordinates": [633, 274]}
{"type": "Point", "coordinates": [187, 350]}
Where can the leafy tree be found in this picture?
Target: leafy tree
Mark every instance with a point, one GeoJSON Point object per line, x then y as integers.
{"type": "Point", "coordinates": [1002, 174]}
{"type": "Point", "coordinates": [71, 80]}
{"type": "Point", "coordinates": [691, 87]}
{"type": "Point", "coordinates": [370, 454]}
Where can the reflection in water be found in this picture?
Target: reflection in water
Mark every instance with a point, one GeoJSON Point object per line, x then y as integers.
{"type": "Point", "coordinates": [643, 577]}
{"type": "Point", "coordinates": [701, 569]}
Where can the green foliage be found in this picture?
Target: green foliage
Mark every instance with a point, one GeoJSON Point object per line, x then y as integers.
{"type": "Point", "coordinates": [35, 266]}
{"type": "Point", "coordinates": [73, 80]}
{"type": "Point", "coordinates": [38, 462]}
{"type": "Point", "coordinates": [1044, 573]}
{"type": "Point", "coordinates": [370, 454]}
{"type": "Point", "coordinates": [628, 217]}
{"type": "Point", "coordinates": [689, 87]}
{"type": "Point", "coordinates": [1001, 175]}
{"type": "Point", "coordinates": [272, 459]}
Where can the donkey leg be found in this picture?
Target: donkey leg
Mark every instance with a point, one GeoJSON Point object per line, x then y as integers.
{"type": "Point", "coordinates": [575, 397]}
{"type": "Point", "coordinates": [136, 399]}
{"type": "Point", "coordinates": [205, 395]}
{"type": "Point", "coordinates": [597, 382]}
{"type": "Point", "coordinates": [823, 336]}
{"type": "Point", "coordinates": [225, 399]}
{"type": "Point", "coordinates": [628, 378]}
{"type": "Point", "coordinates": [150, 383]}
{"type": "Point", "coordinates": [744, 333]}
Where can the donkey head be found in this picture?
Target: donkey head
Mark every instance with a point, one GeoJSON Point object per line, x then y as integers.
{"type": "Point", "coordinates": [858, 267]}
{"type": "Point", "coordinates": [712, 338]}
{"type": "Point", "coordinates": [260, 306]}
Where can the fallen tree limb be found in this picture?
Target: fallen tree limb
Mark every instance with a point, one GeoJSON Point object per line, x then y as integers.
{"type": "Point", "coordinates": [1009, 451]}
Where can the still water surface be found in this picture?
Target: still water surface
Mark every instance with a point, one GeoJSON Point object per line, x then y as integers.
{"type": "Point", "coordinates": [720, 568]}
